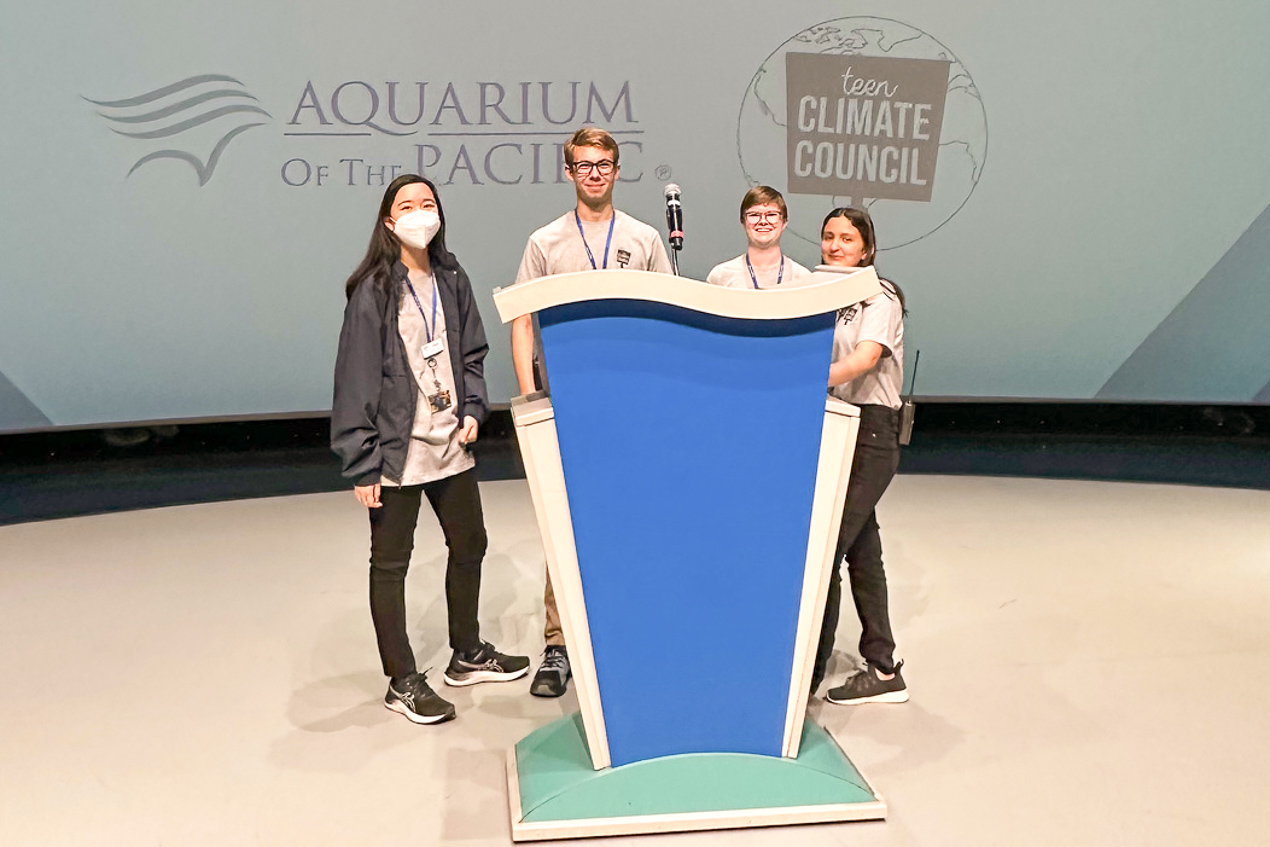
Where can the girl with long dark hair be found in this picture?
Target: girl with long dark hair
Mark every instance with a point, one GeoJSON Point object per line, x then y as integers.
{"type": "Point", "coordinates": [867, 371]}
{"type": "Point", "coordinates": [409, 400]}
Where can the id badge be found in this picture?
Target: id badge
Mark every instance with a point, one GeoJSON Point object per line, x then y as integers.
{"type": "Point", "coordinates": [432, 349]}
{"type": "Point", "coordinates": [439, 401]}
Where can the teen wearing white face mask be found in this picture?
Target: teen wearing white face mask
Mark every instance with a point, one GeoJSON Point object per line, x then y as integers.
{"type": "Point", "coordinates": [409, 399]}
{"type": "Point", "coordinates": [416, 228]}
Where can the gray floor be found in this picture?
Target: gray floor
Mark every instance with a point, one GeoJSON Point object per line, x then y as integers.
{"type": "Point", "coordinates": [1089, 664]}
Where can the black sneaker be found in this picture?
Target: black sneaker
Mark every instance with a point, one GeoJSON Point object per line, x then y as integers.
{"type": "Point", "coordinates": [415, 699]}
{"type": "Point", "coordinates": [484, 665]}
{"type": "Point", "coordinates": [864, 686]}
{"type": "Point", "coordinates": [552, 679]}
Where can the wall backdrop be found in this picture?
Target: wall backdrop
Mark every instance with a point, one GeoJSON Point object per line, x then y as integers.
{"type": "Point", "coordinates": [1075, 199]}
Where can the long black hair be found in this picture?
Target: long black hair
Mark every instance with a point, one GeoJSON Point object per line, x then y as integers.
{"type": "Point", "coordinates": [385, 248]}
{"type": "Point", "coordinates": [863, 223]}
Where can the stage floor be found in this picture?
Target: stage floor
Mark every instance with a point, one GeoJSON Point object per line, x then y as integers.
{"type": "Point", "coordinates": [1089, 663]}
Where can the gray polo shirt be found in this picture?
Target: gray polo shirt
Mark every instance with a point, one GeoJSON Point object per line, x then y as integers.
{"type": "Point", "coordinates": [558, 247]}
{"type": "Point", "coordinates": [880, 319]}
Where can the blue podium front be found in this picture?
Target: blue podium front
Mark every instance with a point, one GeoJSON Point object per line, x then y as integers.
{"type": "Point", "coordinates": [689, 446]}
{"type": "Point", "coordinates": [688, 480]}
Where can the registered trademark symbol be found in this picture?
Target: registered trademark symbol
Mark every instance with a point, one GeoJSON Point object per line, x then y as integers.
{"type": "Point", "coordinates": [664, 172]}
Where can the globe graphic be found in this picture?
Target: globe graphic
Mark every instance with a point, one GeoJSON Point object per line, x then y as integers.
{"type": "Point", "coordinates": [963, 143]}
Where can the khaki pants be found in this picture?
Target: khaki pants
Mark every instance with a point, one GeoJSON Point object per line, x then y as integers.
{"type": "Point", "coordinates": [552, 632]}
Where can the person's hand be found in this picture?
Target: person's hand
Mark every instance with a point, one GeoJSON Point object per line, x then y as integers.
{"type": "Point", "coordinates": [467, 434]}
{"type": "Point", "coordinates": [368, 495]}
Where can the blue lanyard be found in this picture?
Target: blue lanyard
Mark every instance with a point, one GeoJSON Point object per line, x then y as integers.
{"type": "Point", "coordinates": [422, 314]}
{"type": "Point", "coordinates": [607, 241]}
{"type": "Point", "coordinates": [779, 274]}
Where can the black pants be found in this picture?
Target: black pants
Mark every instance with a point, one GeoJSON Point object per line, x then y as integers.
{"type": "Point", "coordinates": [877, 455]}
{"type": "Point", "coordinates": [457, 505]}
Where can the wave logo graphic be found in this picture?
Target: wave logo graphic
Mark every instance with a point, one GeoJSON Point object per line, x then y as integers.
{"type": "Point", "coordinates": [196, 114]}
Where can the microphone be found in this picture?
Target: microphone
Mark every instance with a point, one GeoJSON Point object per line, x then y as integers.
{"type": "Point", "coordinates": [675, 216]}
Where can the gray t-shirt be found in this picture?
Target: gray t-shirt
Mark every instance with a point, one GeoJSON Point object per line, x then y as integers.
{"type": "Point", "coordinates": [880, 319]}
{"type": "Point", "coordinates": [558, 248]}
{"type": "Point", "coordinates": [434, 451]}
{"type": "Point", "coordinates": [734, 274]}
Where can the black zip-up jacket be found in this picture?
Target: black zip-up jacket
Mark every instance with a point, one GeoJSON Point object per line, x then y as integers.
{"type": "Point", "coordinates": [373, 408]}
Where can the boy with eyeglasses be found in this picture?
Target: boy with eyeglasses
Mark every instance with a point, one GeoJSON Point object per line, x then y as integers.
{"type": "Point", "coordinates": [591, 236]}
{"type": "Point", "coordinates": [762, 265]}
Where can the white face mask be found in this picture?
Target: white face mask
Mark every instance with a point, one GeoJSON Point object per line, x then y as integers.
{"type": "Point", "coordinates": [417, 228]}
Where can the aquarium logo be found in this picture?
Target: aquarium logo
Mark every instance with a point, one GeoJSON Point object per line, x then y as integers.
{"type": "Point", "coordinates": [192, 120]}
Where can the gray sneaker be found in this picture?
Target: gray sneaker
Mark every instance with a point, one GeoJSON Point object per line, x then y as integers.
{"type": "Point", "coordinates": [415, 699]}
{"type": "Point", "coordinates": [552, 679]}
{"type": "Point", "coordinates": [864, 686]}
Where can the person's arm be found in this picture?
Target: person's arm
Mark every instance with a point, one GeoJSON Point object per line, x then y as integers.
{"type": "Point", "coordinates": [368, 495]}
{"type": "Point", "coordinates": [858, 362]}
{"type": "Point", "coordinates": [468, 433]}
{"type": "Point", "coordinates": [523, 352]}
{"type": "Point", "coordinates": [532, 266]}
{"type": "Point", "coordinates": [877, 319]}
{"type": "Point", "coordinates": [355, 400]}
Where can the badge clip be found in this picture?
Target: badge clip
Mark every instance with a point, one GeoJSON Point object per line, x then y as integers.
{"type": "Point", "coordinates": [432, 349]}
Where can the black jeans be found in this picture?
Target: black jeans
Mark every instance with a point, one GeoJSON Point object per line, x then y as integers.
{"type": "Point", "coordinates": [457, 505]}
{"type": "Point", "coordinates": [877, 455]}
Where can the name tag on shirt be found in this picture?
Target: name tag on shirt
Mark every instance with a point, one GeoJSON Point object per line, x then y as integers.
{"type": "Point", "coordinates": [432, 349]}
{"type": "Point", "coordinates": [440, 401]}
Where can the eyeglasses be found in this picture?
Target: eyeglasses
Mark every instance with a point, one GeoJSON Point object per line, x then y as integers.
{"type": "Point", "coordinates": [756, 217]}
{"type": "Point", "coordinates": [603, 167]}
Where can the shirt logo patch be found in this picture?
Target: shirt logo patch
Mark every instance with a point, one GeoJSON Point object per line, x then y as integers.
{"type": "Point", "coordinates": [623, 258]}
{"type": "Point", "coordinates": [848, 313]}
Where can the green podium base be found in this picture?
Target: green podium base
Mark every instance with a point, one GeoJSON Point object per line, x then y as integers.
{"type": "Point", "coordinates": [555, 793]}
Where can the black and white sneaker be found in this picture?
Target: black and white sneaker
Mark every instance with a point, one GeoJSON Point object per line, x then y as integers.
{"type": "Point", "coordinates": [484, 665]}
{"type": "Point", "coordinates": [865, 686]}
{"type": "Point", "coordinates": [552, 679]}
{"type": "Point", "coordinates": [415, 699]}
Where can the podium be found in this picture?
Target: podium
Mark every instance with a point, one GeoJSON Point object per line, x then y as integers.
{"type": "Point", "coordinates": [688, 474]}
